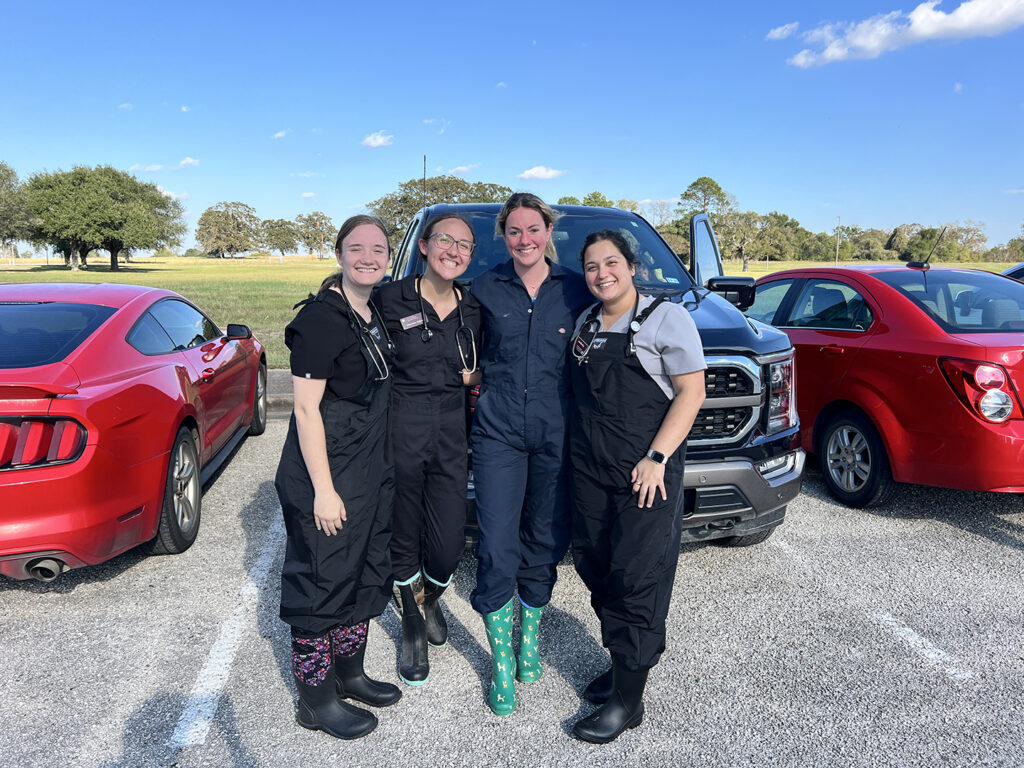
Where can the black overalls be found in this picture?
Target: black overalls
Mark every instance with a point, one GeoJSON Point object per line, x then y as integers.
{"type": "Point", "coordinates": [342, 579]}
{"type": "Point", "coordinates": [626, 555]}
{"type": "Point", "coordinates": [428, 425]}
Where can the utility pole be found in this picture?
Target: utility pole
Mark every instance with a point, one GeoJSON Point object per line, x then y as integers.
{"type": "Point", "coordinates": [839, 221]}
{"type": "Point", "coordinates": [423, 188]}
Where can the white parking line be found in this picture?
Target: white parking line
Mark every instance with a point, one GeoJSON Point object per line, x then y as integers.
{"type": "Point", "coordinates": [923, 648]}
{"type": "Point", "coordinates": [194, 723]}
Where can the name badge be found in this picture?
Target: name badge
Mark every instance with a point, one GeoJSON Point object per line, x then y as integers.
{"type": "Point", "coordinates": [412, 321]}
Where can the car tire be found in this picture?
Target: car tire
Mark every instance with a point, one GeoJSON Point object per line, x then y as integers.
{"type": "Point", "coordinates": [853, 461]}
{"type": "Point", "coordinates": [183, 496]}
{"type": "Point", "coordinates": [258, 425]}
{"type": "Point", "coordinates": [747, 540]}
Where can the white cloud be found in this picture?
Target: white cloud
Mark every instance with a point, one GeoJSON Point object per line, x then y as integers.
{"type": "Point", "coordinates": [126, 106]}
{"type": "Point", "coordinates": [378, 139]}
{"type": "Point", "coordinates": [781, 33]}
{"type": "Point", "coordinates": [1015, 191]}
{"type": "Point", "coordinates": [540, 172]}
{"type": "Point", "coordinates": [958, 87]}
{"type": "Point", "coordinates": [308, 194]}
{"type": "Point", "coordinates": [306, 174]}
{"type": "Point", "coordinates": [138, 167]}
{"type": "Point", "coordinates": [501, 85]}
{"type": "Point", "coordinates": [280, 134]}
{"type": "Point", "coordinates": [187, 162]}
{"type": "Point", "coordinates": [172, 195]}
{"type": "Point", "coordinates": [184, 108]}
{"type": "Point", "coordinates": [461, 170]}
{"type": "Point", "coordinates": [430, 121]}
{"type": "Point", "coordinates": [891, 31]}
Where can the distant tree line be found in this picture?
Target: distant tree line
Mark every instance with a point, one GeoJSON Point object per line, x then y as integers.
{"type": "Point", "coordinates": [87, 209]}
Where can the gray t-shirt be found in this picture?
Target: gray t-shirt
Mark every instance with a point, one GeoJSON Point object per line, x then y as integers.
{"type": "Point", "coordinates": [667, 343]}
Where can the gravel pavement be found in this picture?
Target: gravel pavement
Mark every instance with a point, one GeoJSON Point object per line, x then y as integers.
{"type": "Point", "coordinates": [849, 638]}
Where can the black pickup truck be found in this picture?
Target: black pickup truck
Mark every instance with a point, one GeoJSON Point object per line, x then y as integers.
{"type": "Point", "coordinates": [743, 461]}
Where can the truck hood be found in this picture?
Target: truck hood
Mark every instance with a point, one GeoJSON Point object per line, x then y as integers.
{"type": "Point", "coordinates": [724, 329]}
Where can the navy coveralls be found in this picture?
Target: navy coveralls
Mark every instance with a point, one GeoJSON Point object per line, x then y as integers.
{"type": "Point", "coordinates": [520, 462]}
{"type": "Point", "coordinates": [428, 427]}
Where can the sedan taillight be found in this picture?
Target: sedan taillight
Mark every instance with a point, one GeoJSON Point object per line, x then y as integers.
{"type": "Point", "coordinates": [39, 442]}
{"type": "Point", "coordinates": [983, 387]}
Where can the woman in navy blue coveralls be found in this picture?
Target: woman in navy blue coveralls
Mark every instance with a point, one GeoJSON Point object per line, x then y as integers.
{"type": "Point", "coordinates": [529, 304]}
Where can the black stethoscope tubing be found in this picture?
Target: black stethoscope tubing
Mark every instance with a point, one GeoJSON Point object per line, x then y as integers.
{"type": "Point", "coordinates": [372, 347]}
{"type": "Point", "coordinates": [460, 332]}
{"type": "Point", "coordinates": [593, 326]}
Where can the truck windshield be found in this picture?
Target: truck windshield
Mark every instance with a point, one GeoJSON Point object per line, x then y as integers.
{"type": "Point", "coordinates": [658, 268]}
{"type": "Point", "coordinates": [963, 300]}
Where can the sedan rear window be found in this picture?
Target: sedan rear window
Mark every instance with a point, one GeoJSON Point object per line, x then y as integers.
{"type": "Point", "coordinates": [963, 301]}
{"type": "Point", "coordinates": [40, 333]}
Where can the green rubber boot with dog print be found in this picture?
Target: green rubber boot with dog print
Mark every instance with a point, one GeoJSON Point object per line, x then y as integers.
{"type": "Point", "coordinates": [502, 695]}
{"type": "Point", "coordinates": [529, 669]}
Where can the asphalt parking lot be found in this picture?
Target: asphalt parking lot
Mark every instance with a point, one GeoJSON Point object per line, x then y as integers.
{"type": "Point", "coordinates": [850, 638]}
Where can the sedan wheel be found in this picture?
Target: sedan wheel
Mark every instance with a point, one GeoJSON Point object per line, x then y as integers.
{"type": "Point", "coordinates": [183, 496]}
{"type": "Point", "coordinates": [258, 425]}
{"type": "Point", "coordinates": [853, 461]}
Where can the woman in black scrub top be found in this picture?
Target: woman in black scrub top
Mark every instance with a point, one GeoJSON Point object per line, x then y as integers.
{"type": "Point", "coordinates": [435, 325]}
{"type": "Point", "coordinates": [638, 383]}
{"type": "Point", "coordinates": [335, 484]}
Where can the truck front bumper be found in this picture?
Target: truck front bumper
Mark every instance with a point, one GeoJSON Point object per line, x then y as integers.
{"type": "Point", "coordinates": [737, 497]}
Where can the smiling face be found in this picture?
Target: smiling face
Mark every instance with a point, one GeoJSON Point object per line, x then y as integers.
{"type": "Point", "coordinates": [450, 262]}
{"type": "Point", "coordinates": [526, 236]}
{"type": "Point", "coordinates": [363, 256]}
{"type": "Point", "coordinates": [609, 274]}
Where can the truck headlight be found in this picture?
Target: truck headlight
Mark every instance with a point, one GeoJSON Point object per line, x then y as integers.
{"type": "Point", "coordinates": [781, 396]}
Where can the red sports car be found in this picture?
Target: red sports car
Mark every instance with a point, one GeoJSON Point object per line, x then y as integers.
{"type": "Point", "coordinates": [116, 403]}
{"type": "Point", "coordinates": [905, 374]}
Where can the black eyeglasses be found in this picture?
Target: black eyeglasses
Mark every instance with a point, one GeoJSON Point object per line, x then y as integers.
{"type": "Point", "coordinates": [445, 241]}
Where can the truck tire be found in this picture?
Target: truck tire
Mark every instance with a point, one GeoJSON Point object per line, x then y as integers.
{"type": "Point", "coordinates": [749, 539]}
{"type": "Point", "coordinates": [854, 464]}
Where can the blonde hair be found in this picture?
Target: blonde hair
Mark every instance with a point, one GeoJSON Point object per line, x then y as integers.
{"type": "Point", "coordinates": [534, 203]}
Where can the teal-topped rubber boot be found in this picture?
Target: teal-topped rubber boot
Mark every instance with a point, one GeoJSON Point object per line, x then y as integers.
{"type": "Point", "coordinates": [529, 667]}
{"type": "Point", "coordinates": [502, 695]}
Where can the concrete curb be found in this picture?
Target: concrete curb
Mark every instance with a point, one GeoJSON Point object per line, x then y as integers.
{"type": "Point", "coordinates": [279, 391]}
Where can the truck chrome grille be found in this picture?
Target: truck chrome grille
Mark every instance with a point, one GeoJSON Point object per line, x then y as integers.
{"type": "Point", "coordinates": [733, 401]}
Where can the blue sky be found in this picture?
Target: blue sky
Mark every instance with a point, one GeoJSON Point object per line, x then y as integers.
{"type": "Point", "coordinates": [875, 112]}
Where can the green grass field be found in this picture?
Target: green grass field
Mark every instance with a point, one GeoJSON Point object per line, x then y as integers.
{"type": "Point", "coordinates": [250, 290]}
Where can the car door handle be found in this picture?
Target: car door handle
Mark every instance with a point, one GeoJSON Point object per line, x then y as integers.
{"type": "Point", "coordinates": [207, 375]}
{"type": "Point", "coordinates": [832, 349]}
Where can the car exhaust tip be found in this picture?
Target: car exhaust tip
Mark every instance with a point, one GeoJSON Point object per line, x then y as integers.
{"type": "Point", "coordinates": [46, 569]}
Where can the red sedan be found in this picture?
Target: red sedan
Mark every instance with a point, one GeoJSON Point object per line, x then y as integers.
{"type": "Point", "coordinates": [905, 374]}
{"type": "Point", "coordinates": [116, 403]}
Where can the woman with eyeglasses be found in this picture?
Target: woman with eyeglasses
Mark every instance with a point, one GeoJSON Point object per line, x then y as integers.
{"type": "Point", "coordinates": [335, 483]}
{"type": "Point", "coordinates": [520, 459]}
{"type": "Point", "coordinates": [638, 383]}
{"type": "Point", "coordinates": [435, 324]}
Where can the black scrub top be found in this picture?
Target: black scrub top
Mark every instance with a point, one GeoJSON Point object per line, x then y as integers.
{"type": "Point", "coordinates": [324, 345]}
{"type": "Point", "coordinates": [432, 367]}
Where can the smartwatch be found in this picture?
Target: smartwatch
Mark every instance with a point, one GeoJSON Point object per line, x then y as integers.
{"type": "Point", "coordinates": [657, 456]}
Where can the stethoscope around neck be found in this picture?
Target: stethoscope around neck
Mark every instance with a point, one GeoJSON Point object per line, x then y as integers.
{"type": "Point", "coordinates": [366, 337]}
{"type": "Point", "coordinates": [592, 328]}
{"type": "Point", "coordinates": [463, 333]}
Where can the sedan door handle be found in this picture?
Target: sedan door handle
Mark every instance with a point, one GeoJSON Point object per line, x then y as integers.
{"type": "Point", "coordinates": [207, 375]}
{"type": "Point", "coordinates": [832, 349]}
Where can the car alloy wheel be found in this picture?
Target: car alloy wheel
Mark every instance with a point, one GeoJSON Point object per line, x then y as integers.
{"type": "Point", "coordinates": [183, 497]}
{"type": "Point", "coordinates": [258, 425]}
{"type": "Point", "coordinates": [854, 463]}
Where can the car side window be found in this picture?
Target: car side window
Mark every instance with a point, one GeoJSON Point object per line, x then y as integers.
{"type": "Point", "coordinates": [768, 299]}
{"type": "Point", "coordinates": [149, 337]}
{"type": "Point", "coordinates": [186, 325]}
{"type": "Point", "coordinates": [830, 304]}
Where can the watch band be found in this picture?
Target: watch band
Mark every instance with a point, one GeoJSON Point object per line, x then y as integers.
{"type": "Point", "coordinates": [657, 456]}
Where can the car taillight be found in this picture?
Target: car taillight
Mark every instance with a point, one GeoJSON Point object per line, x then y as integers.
{"type": "Point", "coordinates": [781, 396]}
{"type": "Point", "coordinates": [983, 387]}
{"type": "Point", "coordinates": [39, 442]}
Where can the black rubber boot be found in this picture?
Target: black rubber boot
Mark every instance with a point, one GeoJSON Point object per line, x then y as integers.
{"type": "Point", "coordinates": [433, 617]}
{"type": "Point", "coordinates": [599, 690]}
{"type": "Point", "coordinates": [354, 684]}
{"type": "Point", "coordinates": [414, 666]}
{"type": "Point", "coordinates": [623, 710]}
{"type": "Point", "coordinates": [319, 706]}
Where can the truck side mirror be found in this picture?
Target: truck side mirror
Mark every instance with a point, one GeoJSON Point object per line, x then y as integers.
{"type": "Point", "coordinates": [738, 291]}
